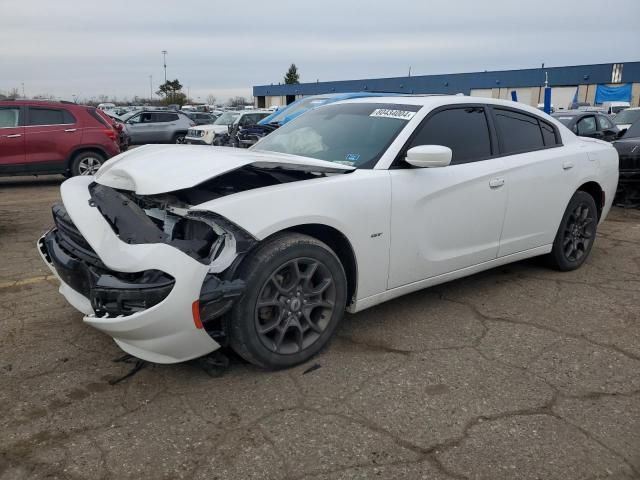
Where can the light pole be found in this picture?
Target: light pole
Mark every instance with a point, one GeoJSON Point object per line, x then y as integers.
{"type": "Point", "coordinates": [151, 87]}
{"type": "Point", "coordinates": [164, 61]}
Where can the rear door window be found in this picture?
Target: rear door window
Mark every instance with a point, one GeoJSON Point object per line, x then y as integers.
{"type": "Point", "coordinates": [518, 132]}
{"type": "Point", "coordinates": [48, 116]}
{"type": "Point", "coordinates": [463, 129]}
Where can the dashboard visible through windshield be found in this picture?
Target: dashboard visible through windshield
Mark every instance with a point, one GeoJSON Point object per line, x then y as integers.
{"type": "Point", "coordinates": [354, 134]}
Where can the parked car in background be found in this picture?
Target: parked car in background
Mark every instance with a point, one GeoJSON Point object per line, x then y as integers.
{"type": "Point", "coordinates": [351, 205]}
{"type": "Point", "coordinates": [250, 134]}
{"type": "Point", "coordinates": [541, 107]}
{"type": "Point", "coordinates": [587, 123]}
{"type": "Point", "coordinates": [206, 135]}
{"type": "Point", "coordinates": [613, 108]}
{"type": "Point", "coordinates": [245, 119]}
{"type": "Point", "coordinates": [577, 105]}
{"type": "Point", "coordinates": [628, 147]}
{"type": "Point", "coordinates": [39, 137]}
{"type": "Point", "coordinates": [157, 127]}
{"type": "Point", "coordinates": [200, 118]}
{"type": "Point", "coordinates": [106, 106]}
{"type": "Point", "coordinates": [627, 117]}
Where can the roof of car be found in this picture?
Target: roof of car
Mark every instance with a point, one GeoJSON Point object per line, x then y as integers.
{"type": "Point", "coordinates": [26, 101]}
{"type": "Point", "coordinates": [438, 100]}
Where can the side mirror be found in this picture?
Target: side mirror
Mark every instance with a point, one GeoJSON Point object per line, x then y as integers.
{"type": "Point", "coordinates": [429, 156]}
{"type": "Point", "coordinates": [621, 132]}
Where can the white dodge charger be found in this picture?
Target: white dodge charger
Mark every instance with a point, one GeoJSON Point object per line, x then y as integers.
{"type": "Point", "coordinates": [175, 251]}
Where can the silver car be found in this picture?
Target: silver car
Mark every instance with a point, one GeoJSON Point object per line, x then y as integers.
{"type": "Point", "coordinates": [157, 127]}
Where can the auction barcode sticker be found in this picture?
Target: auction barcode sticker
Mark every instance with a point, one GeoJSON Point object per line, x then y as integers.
{"type": "Point", "coordinates": [387, 113]}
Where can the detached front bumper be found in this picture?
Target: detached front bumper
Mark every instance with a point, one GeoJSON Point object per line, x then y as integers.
{"type": "Point", "coordinates": [142, 295]}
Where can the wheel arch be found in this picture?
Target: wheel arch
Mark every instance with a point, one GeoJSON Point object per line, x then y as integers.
{"type": "Point", "coordinates": [84, 148]}
{"type": "Point", "coordinates": [341, 246]}
{"type": "Point", "coordinates": [594, 189]}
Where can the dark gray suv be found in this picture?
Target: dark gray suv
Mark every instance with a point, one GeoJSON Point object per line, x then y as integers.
{"type": "Point", "coordinates": [157, 127]}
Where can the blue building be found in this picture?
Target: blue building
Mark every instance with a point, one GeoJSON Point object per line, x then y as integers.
{"type": "Point", "coordinates": [584, 83]}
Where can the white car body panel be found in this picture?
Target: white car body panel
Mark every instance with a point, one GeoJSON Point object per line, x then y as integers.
{"type": "Point", "coordinates": [440, 230]}
{"type": "Point", "coordinates": [130, 171]}
{"type": "Point", "coordinates": [408, 228]}
{"type": "Point", "coordinates": [366, 193]}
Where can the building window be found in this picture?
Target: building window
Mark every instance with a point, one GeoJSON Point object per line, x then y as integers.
{"type": "Point", "coordinates": [616, 73]}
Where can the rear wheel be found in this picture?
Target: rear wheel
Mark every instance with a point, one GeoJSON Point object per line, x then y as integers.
{"type": "Point", "coordinates": [295, 297]}
{"type": "Point", "coordinates": [576, 233]}
{"type": "Point", "coordinates": [86, 163]}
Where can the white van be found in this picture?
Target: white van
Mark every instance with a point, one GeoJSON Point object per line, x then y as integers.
{"type": "Point", "coordinates": [613, 108]}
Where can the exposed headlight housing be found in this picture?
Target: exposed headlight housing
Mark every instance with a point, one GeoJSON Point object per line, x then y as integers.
{"type": "Point", "coordinates": [205, 236]}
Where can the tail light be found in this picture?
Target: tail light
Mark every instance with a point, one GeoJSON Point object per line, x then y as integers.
{"type": "Point", "coordinates": [111, 133]}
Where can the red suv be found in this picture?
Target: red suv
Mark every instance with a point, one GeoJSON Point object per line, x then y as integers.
{"type": "Point", "coordinates": [38, 137]}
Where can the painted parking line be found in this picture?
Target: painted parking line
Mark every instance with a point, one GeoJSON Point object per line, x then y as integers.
{"type": "Point", "coordinates": [26, 281]}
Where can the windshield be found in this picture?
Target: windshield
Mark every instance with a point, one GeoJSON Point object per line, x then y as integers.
{"type": "Point", "coordinates": [226, 118]}
{"type": "Point", "coordinates": [300, 106]}
{"type": "Point", "coordinates": [355, 134]}
{"type": "Point", "coordinates": [618, 109]}
{"type": "Point", "coordinates": [128, 115]}
{"type": "Point", "coordinates": [626, 116]}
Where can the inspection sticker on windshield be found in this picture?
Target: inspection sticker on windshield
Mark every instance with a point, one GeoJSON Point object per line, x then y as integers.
{"type": "Point", "coordinates": [387, 113]}
{"type": "Point", "coordinates": [352, 157]}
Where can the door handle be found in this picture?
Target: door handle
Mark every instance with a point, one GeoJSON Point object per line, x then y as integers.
{"type": "Point", "coordinates": [496, 182]}
{"type": "Point", "coordinates": [69, 130]}
{"type": "Point", "coordinates": [15, 135]}
{"type": "Point", "coordinates": [568, 165]}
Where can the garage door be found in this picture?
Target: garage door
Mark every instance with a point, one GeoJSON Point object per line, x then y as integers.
{"type": "Point", "coordinates": [481, 92]}
{"type": "Point", "coordinates": [561, 97]}
{"type": "Point", "coordinates": [524, 95]}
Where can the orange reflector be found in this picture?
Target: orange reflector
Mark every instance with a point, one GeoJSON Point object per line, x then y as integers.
{"type": "Point", "coordinates": [195, 310]}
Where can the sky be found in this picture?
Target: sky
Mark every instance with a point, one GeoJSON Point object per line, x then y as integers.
{"type": "Point", "coordinates": [86, 48]}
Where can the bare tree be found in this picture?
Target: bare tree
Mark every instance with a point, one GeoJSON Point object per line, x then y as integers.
{"type": "Point", "coordinates": [238, 102]}
{"type": "Point", "coordinates": [211, 99]}
{"type": "Point", "coordinates": [13, 94]}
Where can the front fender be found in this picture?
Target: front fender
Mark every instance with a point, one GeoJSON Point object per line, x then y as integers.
{"type": "Point", "coordinates": [357, 204]}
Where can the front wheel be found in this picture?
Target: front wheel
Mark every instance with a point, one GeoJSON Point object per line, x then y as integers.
{"type": "Point", "coordinates": [295, 297]}
{"type": "Point", "coordinates": [179, 139]}
{"type": "Point", "coordinates": [576, 233]}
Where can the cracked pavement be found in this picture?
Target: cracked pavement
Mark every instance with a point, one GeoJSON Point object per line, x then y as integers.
{"type": "Point", "coordinates": [520, 372]}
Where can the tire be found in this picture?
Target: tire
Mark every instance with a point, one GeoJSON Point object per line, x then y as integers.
{"type": "Point", "coordinates": [178, 138]}
{"type": "Point", "coordinates": [576, 234]}
{"type": "Point", "coordinates": [86, 163]}
{"type": "Point", "coordinates": [295, 321]}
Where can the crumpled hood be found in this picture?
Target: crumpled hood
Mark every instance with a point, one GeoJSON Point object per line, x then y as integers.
{"type": "Point", "coordinates": [154, 169]}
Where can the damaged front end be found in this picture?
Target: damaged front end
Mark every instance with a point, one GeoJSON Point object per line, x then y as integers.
{"type": "Point", "coordinates": [146, 261]}
{"type": "Point", "coordinates": [202, 235]}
